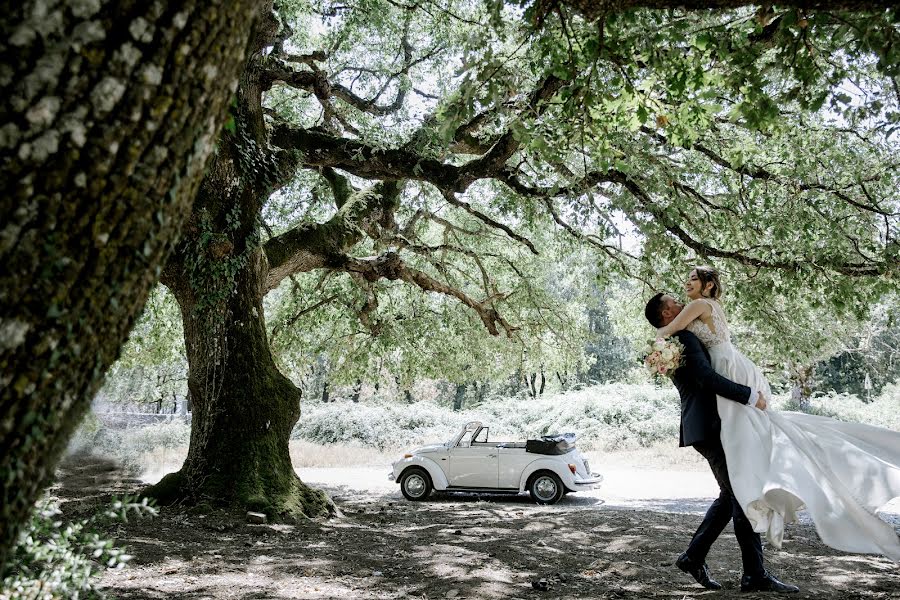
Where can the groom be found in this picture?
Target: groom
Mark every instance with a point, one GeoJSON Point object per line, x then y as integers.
{"type": "Point", "coordinates": [698, 384]}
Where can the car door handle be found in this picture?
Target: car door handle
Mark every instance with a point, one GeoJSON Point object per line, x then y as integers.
{"type": "Point", "coordinates": [492, 456]}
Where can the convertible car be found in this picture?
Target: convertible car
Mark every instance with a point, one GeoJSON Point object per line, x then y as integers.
{"type": "Point", "coordinates": [547, 468]}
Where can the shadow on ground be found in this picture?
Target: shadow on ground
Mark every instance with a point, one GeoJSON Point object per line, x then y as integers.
{"type": "Point", "coordinates": [460, 546]}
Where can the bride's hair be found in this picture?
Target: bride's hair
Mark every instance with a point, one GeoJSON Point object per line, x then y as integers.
{"type": "Point", "coordinates": [707, 274]}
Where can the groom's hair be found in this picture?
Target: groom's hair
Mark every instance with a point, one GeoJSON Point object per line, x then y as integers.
{"type": "Point", "coordinates": [653, 310]}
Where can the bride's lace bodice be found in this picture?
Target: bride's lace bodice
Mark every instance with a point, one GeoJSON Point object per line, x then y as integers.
{"type": "Point", "coordinates": [720, 323]}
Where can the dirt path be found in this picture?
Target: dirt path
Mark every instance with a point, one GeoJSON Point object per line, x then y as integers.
{"type": "Point", "coordinates": [592, 545]}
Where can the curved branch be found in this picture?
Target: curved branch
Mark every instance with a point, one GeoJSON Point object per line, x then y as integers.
{"type": "Point", "coordinates": [845, 268]}
{"type": "Point", "coordinates": [660, 216]}
{"type": "Point", "coordinates": [315, 246]}
{"type": "Point", "coordinates": [390, 266]}
{"type": "Point", "coordinates": [594, 9]}
{"type": "Point", "coordinates": [452, 199]}
{"type": "Point", "coordinates": [340, 186]}
{"type": "Point", "coordinates": [762, 174]}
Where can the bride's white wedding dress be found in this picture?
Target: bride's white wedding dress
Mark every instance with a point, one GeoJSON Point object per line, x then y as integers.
{"type": "Point", "coordinates": [782, 462]}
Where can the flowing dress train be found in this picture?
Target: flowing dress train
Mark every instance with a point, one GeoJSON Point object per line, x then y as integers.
{"type": "Point", "coordinates": [781, 462]}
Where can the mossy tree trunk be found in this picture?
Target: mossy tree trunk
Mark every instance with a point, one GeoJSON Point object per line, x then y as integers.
{"type": "Point", "coordinates": [109, 112]}
{"type": "Point", "coordinates": [243, 407]}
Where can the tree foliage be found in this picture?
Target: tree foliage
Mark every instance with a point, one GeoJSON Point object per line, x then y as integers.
{"type": "Point", "coordinates": [759, 140]}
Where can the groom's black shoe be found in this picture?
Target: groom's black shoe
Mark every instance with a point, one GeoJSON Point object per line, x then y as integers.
{"type": "Point", "coordinates": [698, 571]}
{"type": "Point", "coordinates": [766, 583]}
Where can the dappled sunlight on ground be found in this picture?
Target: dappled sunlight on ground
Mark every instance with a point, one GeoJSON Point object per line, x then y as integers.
{"type": "Point", "coordinates": [590, 545]}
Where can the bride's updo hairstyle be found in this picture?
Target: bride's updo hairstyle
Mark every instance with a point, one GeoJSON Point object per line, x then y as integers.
{"type": "Point", "coordinates": [707, 274]}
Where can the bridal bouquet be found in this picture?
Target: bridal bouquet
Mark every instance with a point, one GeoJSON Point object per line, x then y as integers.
{"type": "Point", "coordinates": [663, 356]}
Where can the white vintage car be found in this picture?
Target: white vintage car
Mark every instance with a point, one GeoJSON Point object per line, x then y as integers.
{"type": "Point", "coordinates": [547, 468]}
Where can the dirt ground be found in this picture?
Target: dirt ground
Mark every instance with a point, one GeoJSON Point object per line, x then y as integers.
{"type": "Point", "coordinates": [461, 546]}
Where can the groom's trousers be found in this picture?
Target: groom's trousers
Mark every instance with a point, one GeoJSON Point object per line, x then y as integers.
{"type": "Point", "coordinates": [724, 509]}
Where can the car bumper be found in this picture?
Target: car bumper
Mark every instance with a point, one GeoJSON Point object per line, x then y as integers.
{"type": "Point", "coordinates": [391, 476]}
{"type": "Point", "coordinates": [588, 483]}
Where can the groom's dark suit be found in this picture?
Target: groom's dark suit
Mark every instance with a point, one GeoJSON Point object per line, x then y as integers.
{"type": "Point", "coordinates": [698, 384]}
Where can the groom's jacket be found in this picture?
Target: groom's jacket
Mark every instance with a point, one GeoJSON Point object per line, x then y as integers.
{"type": "Point", "coordinates": [698, 384]}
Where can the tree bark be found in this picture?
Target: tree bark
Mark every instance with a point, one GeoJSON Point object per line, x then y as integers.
{"type": "Point", "coordinates": [802, 383]}
{"type": "Point", "coordinates": [459, 396]}
{"type": "Point", "coordinates": [109, 113]}
{"type": "Point", "coordinates": [531, 385]}
{"type": "Point", "coordinates": [244, 408]}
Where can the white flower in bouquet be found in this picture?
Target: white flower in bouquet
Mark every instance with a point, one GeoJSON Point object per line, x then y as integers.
{"type": "Point", "coordinates": [663, 357]}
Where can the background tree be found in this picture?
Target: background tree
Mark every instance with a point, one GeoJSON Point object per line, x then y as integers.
{"type": "Point", "coordinates": [109, 112]}
{"type": "Point", "coordinates": [870, 352]}
{"type": "Point", "coordinates": [151, 372]}
{"type": "Point", "coordinates": [244, 407]}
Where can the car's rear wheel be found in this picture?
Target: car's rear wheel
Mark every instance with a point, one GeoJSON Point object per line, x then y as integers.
{"type": "Point", "coordinates": [545, 487]}
{"type": "Point", "coordinates": [415, 483]}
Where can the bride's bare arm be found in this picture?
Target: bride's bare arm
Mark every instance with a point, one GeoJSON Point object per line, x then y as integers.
{"type": "Point", "coordinates": [694, 310]}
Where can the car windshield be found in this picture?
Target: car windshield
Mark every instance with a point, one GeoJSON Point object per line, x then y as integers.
{"type": "Point", "coordinates": [469, 437]}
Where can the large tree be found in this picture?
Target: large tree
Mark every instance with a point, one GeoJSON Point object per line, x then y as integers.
{"type": "Point", "coordinates": [243, 407]}
{"type": "Point", "coordinates": [109, 112]}
{"type": "Point", "coordinates": [419, 122]}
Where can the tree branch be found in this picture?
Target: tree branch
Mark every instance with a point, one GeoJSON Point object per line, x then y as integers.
{"type": "Point", "coordinates": [315, 246]}
{"type": "Point", "coordinates": [390, 266]}
{"type": "Point", "coordinates": [762, 174]}
{"type": "Point", "coordinates": [704, 249]}
{"type": "Point", "coordinates": [452, 199]}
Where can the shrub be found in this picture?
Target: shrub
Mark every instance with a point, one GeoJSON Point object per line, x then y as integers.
{"type": "Point", "coordinates": [881, 411]}
{"type": "Point", "coordinates": [54, 559]}
{"type": "Point", "coordinates": [604, 417]}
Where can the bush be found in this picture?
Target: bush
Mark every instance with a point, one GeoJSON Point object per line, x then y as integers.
{"type": "Point", "coordinates": [881, 411]}
{"type": "Point", "coordinates": [604, 417]}
{"type": "Point", "coordinates": [54, 559]}
{"type": "Point", "coordinates": [380, 425]}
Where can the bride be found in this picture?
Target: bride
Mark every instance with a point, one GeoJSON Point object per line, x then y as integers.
{"type": "Point", "coordinates": [782, 462]}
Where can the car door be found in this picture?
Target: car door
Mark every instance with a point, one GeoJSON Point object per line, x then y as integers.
{"type": "Point", "coordinates": [474, 464]}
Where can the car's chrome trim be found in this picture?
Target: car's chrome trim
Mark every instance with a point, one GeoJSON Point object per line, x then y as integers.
{"type": "Point", "coordinates": [480, 489]}
{"type": "Point", "coordinates": [592, 481]}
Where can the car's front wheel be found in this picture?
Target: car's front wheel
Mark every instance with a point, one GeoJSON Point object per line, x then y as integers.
{"type": "Point", "coordinates": [415, 483]}
{"type": "Point", "coordinates": [545, 487]}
